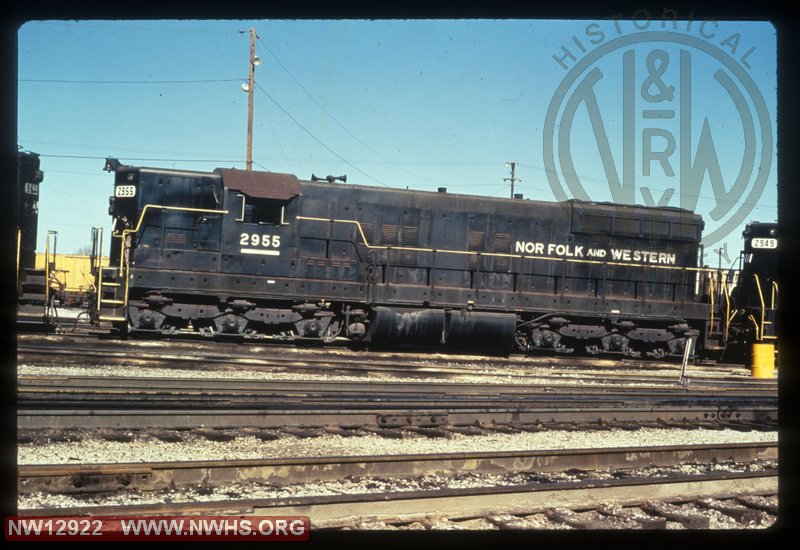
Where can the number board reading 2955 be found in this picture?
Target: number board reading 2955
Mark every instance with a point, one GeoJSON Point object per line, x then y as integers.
{"type": "Point", "coordinates": [125, 191]}
{"type": "Point", "coordinates": [256, 243]}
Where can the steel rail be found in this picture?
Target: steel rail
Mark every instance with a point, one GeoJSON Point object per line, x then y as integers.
{"type": "Point", "coordinates": [80, 393]}
{"type": "Point", "coordinates": [45, 383]}
{"type": "Point", "coordinates": [93, 478]}
{"type": "Point", "coordinates": [339, 510]}
{"type": "Point", "coordinates": [181, 401]}
{"type": "Point", "coordinates": [582, 385]}
{"type": "Point", "coordinates": [558, 379]}
{"type": "Point", "coordinates": [98, 340]}
{"type": "Point", "coordinates": [31, 346]}
{"type": "Point", "coordinates": [387, 416]}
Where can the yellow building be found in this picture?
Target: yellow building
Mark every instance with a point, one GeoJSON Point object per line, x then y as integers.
{"type": "Point", "coordinates": [73, 274]}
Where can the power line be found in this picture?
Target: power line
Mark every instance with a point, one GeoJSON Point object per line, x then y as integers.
{"type": "Point", "coordinates": [342, 126]}
{"type": "Point", "coordinates": [262, 166]}
{"type": "Point", "coordinates": [55, 81]}
{"type": "Point", "coordinates": [146, 160]}
{"type": "Point", "coordinates": [123, 28]}
{"type": "Point", "coordinates": [315, 138]}
{"type": "Point", "coordinates": [138, 159]}
{"type": "Point", "coordinates": [51, 171]}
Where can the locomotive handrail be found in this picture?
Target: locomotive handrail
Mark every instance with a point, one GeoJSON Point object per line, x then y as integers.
{"type": "Point", "coordinates": [763, 310]}
{"type": "Point", "coordinates": [711, 295]}
{"type": "Point", "coordinates": [764, 321]}
{"type": "Point", "coordinates": [727, 308]}
{"type": "Point", "coordinates": [162, 207]}
{"type": "Point", "coordinates": [735, 313]}
{"type": "Point", "coordinates": [47, 272]}
{"type": "Point", "coordinates": [498, 254]}
{"type": "Point", "coordinates": [774, 293]}
{"type": "Point", "coordinates": [19, 244]}
{"type": "Point", "coordinates": [723, 291]}
{"type": "Point", "coordinates": [755, 323]}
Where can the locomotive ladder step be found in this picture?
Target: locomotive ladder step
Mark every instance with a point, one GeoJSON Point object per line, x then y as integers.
{"type": "Point", "coordinates": [103, 283]}
{"type": "Point", "coordinates": [31, 309]}
{"type": "Point", "coordinates": [112, 319]}
{"type": "Point", "coordinates": [111, 302]}
{"type": "Point", "coordinates": [32, 296]}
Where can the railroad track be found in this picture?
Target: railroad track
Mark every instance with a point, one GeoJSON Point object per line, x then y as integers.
{"type": "Point", "coordinates": [457, 396]}
{"type": "Point", "coordinates": [136, 402]}
{"type": "Point", "coordinates": [91, 351]}
{"type": "Point", "coordinates": [603, 482]}
{"type": "Point", "coordinates": [94, 478]}
{"type": "Point", "coordinates": [37, 388]}
{"type": "Point", "coordinates": [431, 421]}
{"type": "Point", "coordinates": [99, 347]}
{"type": "Point", "coordinates": [625, 504]}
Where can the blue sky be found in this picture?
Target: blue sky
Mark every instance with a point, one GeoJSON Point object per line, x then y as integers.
{"type": "Point", "coordinates": [418, 104]}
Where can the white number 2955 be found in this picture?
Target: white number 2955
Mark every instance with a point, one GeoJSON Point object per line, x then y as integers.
{"type": "Point", "coordinates": [254, 239]}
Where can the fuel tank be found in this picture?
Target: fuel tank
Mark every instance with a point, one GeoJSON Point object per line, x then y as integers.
{"type": "Point", "coordinates": [462, 328]}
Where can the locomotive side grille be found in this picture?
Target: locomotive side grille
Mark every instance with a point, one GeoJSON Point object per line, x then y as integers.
{"type": "Point", "coordinates": [409, 236]}
{"type": "Point", "coordinates": [596, 224]}
{"type": "Point", "coordinates": [389, 237]}
{"type": "Point", "coordinates": [175, 238]}
{"type": "Point", "coordinates": [685, 230]}
{"type": "Point", "coordinates": [502, 245]}
{"type": "Point", "coordinates": [389, 234]}
{"type": "Point", "coordinates": [659, 230]}
{"type": "Point", "coordinates": [477, 241]}
{"type": "Point", "coordinates": [627, 226]}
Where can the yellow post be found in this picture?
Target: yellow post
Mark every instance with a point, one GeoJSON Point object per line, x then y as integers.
{"type": "Point", "coordinates": [763, 357]}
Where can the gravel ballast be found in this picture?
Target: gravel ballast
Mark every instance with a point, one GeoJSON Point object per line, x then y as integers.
{"type": "Point", "coordinates": [146, 448]}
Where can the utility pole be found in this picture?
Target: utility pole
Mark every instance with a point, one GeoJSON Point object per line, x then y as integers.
{"type": "Point", "coordinates": [250, 99]}
{"type": "Point", "coordinates": [512, 179]}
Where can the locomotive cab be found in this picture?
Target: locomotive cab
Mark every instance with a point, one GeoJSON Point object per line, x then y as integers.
{"type": "Point", "coordinates": [754, 298]}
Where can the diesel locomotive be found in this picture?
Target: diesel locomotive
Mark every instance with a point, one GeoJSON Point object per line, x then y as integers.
{"type": "Point", "coordinates": [34, 285]}
{"type": "Point", "coordinates": [238, 254]}
{"type": "Point", "coordinates": [751, 305]}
